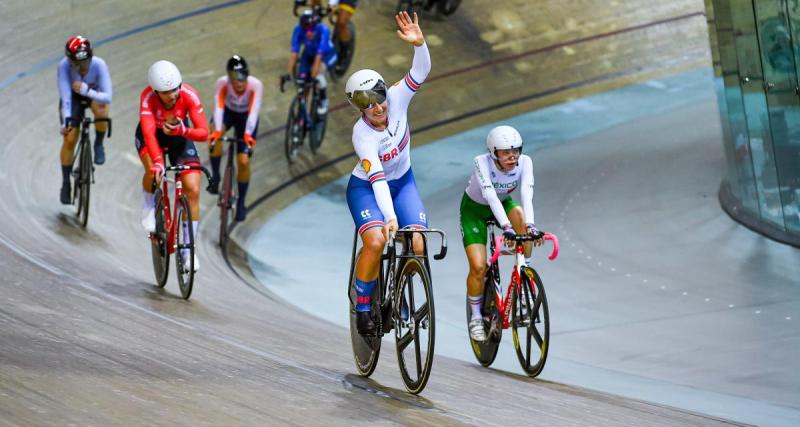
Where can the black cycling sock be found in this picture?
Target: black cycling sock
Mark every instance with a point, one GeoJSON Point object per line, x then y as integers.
{"type": "Point", "coordinates": [98, 137]}
{"type": "Point", "coordinates": [323, 94]}
{"type": "Point", "coordinates": [215, 161]}
{"type": "Point", "coordinates": [65, 172]}
{"type": "Point", "coordinates": [242, 192]}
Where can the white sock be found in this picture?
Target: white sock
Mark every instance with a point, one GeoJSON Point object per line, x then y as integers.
{"type": "Point", "coordinates": [475, 305]}
{"type": "Point", "coordinates": [148, 199]}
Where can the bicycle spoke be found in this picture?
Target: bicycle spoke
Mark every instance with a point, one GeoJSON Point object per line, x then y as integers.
{"type": "Point", "coordinates": [421, 314]}
{"type": "Point", "coordinates": [405, 340]}
{"type": "Point", "coordinates": [417, 351]}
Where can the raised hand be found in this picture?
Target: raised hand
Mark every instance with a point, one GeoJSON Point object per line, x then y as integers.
{"type": "Point", "coordinates": [409, 30]}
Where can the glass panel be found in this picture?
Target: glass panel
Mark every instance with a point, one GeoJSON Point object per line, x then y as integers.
{"type": "Point", "coordinates": [756, 112]}
{"type": "Point", "coordinates": [787, 152]}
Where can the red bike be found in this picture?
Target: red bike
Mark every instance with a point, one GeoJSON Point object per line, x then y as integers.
{"type": "Point", "coordinates": [524, 308]}
{"type": "Point", "coordinates": [169, 237]}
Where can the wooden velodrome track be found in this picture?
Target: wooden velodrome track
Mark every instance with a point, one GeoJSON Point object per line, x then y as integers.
{"type": "Point", "coordinates": [85, 337]}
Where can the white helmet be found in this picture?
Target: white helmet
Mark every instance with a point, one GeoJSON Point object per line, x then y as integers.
{"type": "Point", "coordinates": [364, 88]}
{"type": "Point", "coordinates": [503, 138]}
{"type": "Point", "coordinates": [163, 76]}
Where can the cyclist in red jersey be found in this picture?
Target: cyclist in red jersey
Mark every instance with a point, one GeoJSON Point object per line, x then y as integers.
{"type": "Point", "coordinates": [165, 105]}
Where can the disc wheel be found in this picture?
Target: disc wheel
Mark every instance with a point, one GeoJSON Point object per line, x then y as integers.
{"type": "Point", "coordinates": [83, 183]}
{"type": "Point", "coordinates": [486, 351]}
{"type": "Point", "coordinates": [159, 242]}
{"type": "Point", "coordinates": [225, 203]}
{"type": "Point", "coordinates": [184, 248]}
{"type": "Point", "coordinates": [365, 349]}
{"type": "Point", "coordinates": [319, 122]}
{"type": "Point", "coordinates": [530, 322]}
{"type": "Point", "coordinates": [415, 326]}
{"type": "Point", "coordinates": [294, 132]}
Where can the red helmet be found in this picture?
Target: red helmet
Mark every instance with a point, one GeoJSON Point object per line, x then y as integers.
{"type": "Point", "coordinates": [78, 48]}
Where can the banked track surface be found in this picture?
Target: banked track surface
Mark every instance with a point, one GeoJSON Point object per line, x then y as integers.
{"type": "Point", "coordinates": [86, 337]}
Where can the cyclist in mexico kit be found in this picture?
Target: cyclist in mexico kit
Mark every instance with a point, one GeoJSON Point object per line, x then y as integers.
{"type": "Point", "coordinates": [83, 81]}
{"type": "Point", "coordinates": [165, 105]}
{"type": "Point", "coordinates": [344, 9]}
{"type": "Point", "coordinates": [495, 175]}
{"type": "Point", "coordinates": [236, 105]}
{"type": "Point", "coordinates": [318, 53]}
{"type": "Point", "coordinates": [382, 193]}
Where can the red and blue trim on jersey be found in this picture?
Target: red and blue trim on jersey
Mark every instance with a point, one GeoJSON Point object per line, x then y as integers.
{"type": "Point", "coordinates": [369, 225]}
{"type": "Point", "coordinates": [377, 176]}
{"type": "Point", "coordinates": [404, 141]}
{"type": "Point", "coordinates": [411, 83]}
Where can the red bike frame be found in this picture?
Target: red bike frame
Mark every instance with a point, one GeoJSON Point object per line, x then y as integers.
{"type": "Point", "coordinates": [504, 304]}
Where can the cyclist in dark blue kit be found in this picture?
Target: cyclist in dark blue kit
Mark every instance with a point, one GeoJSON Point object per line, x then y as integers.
{"type": "Point", "coordinates": [318, 53]}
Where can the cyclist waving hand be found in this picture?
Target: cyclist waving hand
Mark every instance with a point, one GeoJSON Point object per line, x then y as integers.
{"type": "Point", "coordinates": [382, 193]}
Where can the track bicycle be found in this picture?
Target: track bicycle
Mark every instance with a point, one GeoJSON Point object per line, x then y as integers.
{"type": "Point", "coordinates": [227, 195]}
{"type": "Point", "coordinates": [443, 7]}
{"type": "Point", "coordinates": [524, 308]}
{"type": "Point", "coordinates": [169, 236]}
{"type": "Point", "coordinates": [83, 172]}
{"type": "Point", "coordinates": [402, 300]}
{"type": "Point", "coordinates": [344, 50]}
{"type": "Point", "coordinates": [303, 120]}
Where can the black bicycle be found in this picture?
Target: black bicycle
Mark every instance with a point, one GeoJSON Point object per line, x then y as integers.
{"type": "Point", "coordinates": [227, 194]}
{"type": "Point", "coordinates": [403, 301]}
{"type": "Point", "coordinates": [83, 171]}
{"type": "Point", "coordinates": [344, 50]}
{"type": "Point", "coordinates": [303, 120]}
{"type": "Point", "coordinates": [443, 7]}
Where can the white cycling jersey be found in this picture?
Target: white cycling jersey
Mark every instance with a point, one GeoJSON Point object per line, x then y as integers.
{"type": "Point", "coordinates": [488, 185]}
{"type": "Point", "coordinates": [248, 102]}
{"type": "Point", "coordinates": [385, 155]}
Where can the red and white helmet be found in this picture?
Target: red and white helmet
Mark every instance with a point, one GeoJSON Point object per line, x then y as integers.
{"type": "Point", "coordinates": [78, 48]}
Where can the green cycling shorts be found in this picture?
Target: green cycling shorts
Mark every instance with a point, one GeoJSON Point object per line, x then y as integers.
{"type": "Point", "coordinates": [473, 217]}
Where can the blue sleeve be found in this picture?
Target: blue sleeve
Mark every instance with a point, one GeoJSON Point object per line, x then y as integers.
{"type": "Point", "coordinates": [64, 89]}
{"type": "Point", "coordinates": [324, 39]}
{"type": "Point", "coordinates": [296, 39]}
{"type": "Point", "coordinates": [103, 95]}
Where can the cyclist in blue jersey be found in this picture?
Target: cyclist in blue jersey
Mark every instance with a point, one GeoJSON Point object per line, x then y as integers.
{"type": "Point", "coordinates": [317, 54]}
{"type": "Point", "coordinates": [83, 81]}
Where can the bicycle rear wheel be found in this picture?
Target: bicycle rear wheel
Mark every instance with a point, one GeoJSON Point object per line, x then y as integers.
{"type": "Point", "coordinates": [486, 351]}
{"type": "Point", "coordinates": [225, 203]}
{"type": "Point", "coordinates": [447, 7]}
{"type": "Point", "coordinates": [294, 131]}
{"type": "Point", "coordinates": [365, 349]}
{"type": "Point", "coordinates": [344, 51]}
{"type": "Point", "coordinates": [318, 125]}
{"type": "Point", "coordinates": [159, 242]}
{"type": "Point", "coordinates": [530, 322]}
{"type": "Point", "coordinates": [184, 241]}
{"type": "Point", "coordinates": [414, 336]}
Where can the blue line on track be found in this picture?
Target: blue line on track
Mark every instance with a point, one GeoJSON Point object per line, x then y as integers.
{"type": "Point", "coordinates": [52, 61]}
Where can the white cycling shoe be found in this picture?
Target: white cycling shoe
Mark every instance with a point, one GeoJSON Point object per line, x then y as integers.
{"type": "Point", "coordinates": [149, 219]}
{"type": "Point", "coordinates": [186, 263]}
{"type": "Point", "coordinates": [476, 330]}
{"type": "Point", "coordinates": [323, 107]}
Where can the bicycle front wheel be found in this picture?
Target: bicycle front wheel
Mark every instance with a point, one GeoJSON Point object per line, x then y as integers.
{"type": "Point", "coordinates": [294, 131]}
{"type": "Point", "coordinates": [185, 248]}
{"type": "Point", "coordinates": [486, 351]}
{"type": "Point", "coordinates": [530, 322]}
{"type": "Point", "coordinates": [344, 51]}
{"type": "Point", "coordinates": [84, 182]}
{"type": "Point", "coordinates": [365, 349]}
{"type": "Point", "coordinates": [415, 326]}
{"type": "Point", "coordinates": [159, 242]}
{"type": "Point", "coordinates": [225, 204]}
